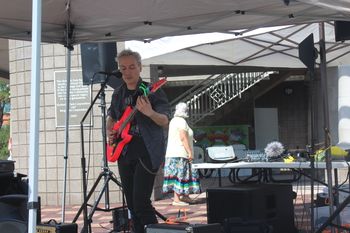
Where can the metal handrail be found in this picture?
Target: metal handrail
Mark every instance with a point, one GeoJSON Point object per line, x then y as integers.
{"type": "Point", "coordinates": [212, 93]}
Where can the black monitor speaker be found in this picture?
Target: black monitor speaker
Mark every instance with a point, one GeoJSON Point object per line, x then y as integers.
{"type": "Point", "coordinates": [308, 53]}
{"type": "Point", "coordinates": [342, 30]}
{"type": "Point", "coordinates": [269, 203]}
{"type": "Point", "coordinates": [13, 226]}
{"type": "Point", "coordinates": [97, 60]}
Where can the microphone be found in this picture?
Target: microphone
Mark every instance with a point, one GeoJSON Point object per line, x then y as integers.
{"type": "Point", "coordinates": [115, 73]}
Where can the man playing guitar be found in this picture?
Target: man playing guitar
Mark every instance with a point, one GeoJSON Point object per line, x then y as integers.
{"type": "Point", "coordinates": [142, 156]}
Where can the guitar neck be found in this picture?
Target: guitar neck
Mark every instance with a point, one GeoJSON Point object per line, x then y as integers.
{"type": "Point", "coordinates": [128, 119]}
{"type": "Point", "coordinates": [151, 89]}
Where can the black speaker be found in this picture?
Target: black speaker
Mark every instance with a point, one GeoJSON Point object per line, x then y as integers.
{"type": "Point", "coordinates": [13, 226]}
{"type": "Point", "coordinates": [13, 213]}
{"type": "Point", "coordinates": [272, 203]}
{"type": "Point", "coordinates": [308, 53]}
{"type": "Point", "coordinates": [95, 58]}
{"type": "Point", "coordinates": [342, 30]}
{"type": "Point", "coordinates": [14, 207]}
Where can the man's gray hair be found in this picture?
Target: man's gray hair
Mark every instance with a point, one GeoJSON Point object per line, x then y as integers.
{"type": "Point", "coordinates": [129, 52]}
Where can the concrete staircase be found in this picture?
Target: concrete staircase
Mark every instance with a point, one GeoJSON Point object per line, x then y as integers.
{"type": "Point", "coordinates": [214, 92]}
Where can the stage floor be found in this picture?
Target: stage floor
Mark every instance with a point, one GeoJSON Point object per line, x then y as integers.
{"type": "Point", "coordinates": [197, 213]}
{"type": "Point", "coordinates": [102, 221]}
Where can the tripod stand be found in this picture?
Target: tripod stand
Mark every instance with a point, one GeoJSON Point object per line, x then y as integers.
{"type": "Point", "coordinates": [106, 173]}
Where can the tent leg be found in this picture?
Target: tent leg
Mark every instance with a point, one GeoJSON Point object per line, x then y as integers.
{"type": "Point", "coordinates": [323, 69]}
{"type": "Point", "coordinates": [311, 150]}
{"type": "Point", "coordinates": [33, 203]}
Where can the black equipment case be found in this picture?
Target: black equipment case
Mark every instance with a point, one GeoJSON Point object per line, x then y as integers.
{"type": "Point", "coordinates": [7, 166]}
{"type": "Point", "coordinates": [183, 228]}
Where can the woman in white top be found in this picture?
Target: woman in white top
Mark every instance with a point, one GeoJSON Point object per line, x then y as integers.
{"type": "Point", "coordinates": [178, 175]}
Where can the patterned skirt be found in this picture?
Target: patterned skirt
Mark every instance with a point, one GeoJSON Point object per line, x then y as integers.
{"type": "Point", "coordinates": [179, 177]}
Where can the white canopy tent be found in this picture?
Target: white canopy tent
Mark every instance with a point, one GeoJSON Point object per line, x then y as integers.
{"type": "Point", "coordinates": [277, 48]}
{"type": "Point", "coordinates": [274, 49]}
{"type": "Point", "coordinates": [76, 21]}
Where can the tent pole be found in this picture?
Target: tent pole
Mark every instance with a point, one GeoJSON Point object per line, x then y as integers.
{"type": "Point", "coordinates": [66, 141]}
{"type": "Point", "coordinates": [327, 143]}
{"type": "Point", "coordinates": [34, 117]}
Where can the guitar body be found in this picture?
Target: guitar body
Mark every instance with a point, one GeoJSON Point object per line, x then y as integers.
{"type": "Point", "coordinates": [123, 138]}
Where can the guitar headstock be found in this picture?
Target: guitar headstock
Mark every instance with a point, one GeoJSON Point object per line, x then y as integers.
{"type": "Point", "coordinates": [155, 86]}
{"type": "Point", "coordinates": [152, 87]}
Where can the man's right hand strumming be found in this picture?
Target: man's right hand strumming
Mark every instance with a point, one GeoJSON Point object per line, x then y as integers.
{"type": "Point", "coordinates": [109, 128]}
{"type": "Point", "coordinates": [110, 136]}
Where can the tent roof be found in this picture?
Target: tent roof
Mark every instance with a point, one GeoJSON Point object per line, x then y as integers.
{"type": "Point", "coordinates": [277, 48]}
{"type": "Point", "coordinates": [117, 20]}
{"type": "Point", "coordinates": [148, 20]}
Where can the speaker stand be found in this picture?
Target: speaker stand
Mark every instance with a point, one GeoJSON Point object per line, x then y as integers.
{"type": "Point", "coordinates": [106, 173]}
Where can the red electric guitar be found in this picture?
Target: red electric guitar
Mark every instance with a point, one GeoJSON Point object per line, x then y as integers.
{"type": "Point", "coordinates": [122, 127]}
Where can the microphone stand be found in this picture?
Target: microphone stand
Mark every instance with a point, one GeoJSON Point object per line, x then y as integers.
{"type": "Point", "coordinates": [105, 173]}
